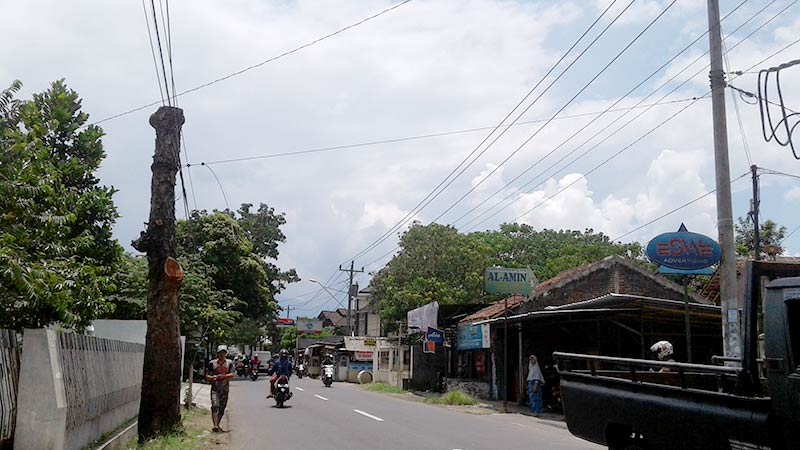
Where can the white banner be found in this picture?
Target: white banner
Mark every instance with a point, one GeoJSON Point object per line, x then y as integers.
{"type": "Point", "coordinates": [423, 317]}
{"type": "Point", "coordinates": [309, 326]}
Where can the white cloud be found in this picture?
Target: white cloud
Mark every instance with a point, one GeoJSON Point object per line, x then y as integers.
{"type": "Point", "coordinates": [792, 195]}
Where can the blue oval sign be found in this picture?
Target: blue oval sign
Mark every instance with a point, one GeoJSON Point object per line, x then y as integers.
{"type": "Point", "coordinates": [684, 250]}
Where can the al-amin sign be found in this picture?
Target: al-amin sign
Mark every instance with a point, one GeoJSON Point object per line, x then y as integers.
{"type": "Point", "coordinates": [502, 280]}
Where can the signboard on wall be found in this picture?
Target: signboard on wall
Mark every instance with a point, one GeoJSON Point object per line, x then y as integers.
{"type": "Point", "coordinates": [502, 280]}
{"type": "Point", "coordinates": [362, 356]}
{"type": "Point", "coordinates": [473, 337]}
{"type": "Point", "coordinates": [683, 252]}
{"type": "Point", "coordinates": [309, 326]}
{"type": "Point", "coordinates": [434, 335]}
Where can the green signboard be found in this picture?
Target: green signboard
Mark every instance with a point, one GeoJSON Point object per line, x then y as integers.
{"type": "Point", "coordinates": [501, 280]}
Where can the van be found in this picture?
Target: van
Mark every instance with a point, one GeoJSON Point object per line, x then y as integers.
{"type": "Point", "coordinates": [264, 357]}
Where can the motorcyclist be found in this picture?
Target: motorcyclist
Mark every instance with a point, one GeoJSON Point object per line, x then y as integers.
{"type": "Point", "coordinates": [663, 351]}
{"type": "Point", "coordinates": [281, 367]}
{"type": "Point", "coordinates": [254, 363]}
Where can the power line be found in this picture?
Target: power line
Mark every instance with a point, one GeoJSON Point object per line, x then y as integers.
{"type": "Point", "coordinates": [776, 172]}
{"type": "Point", "coordinates": [745, 145]}
{"type": "Point", "coordinates": [607, 137]}
{"type": "Point", "coordinates": [586, 86]}
{"type": "Point", "coordinates": [219, 183]}
{"type": "Point", "coordinates": [153, 52]}
{"type": "Point", "coordinates": [507, 204]}
{"type": "Point", "coordinates": [257, 65]}
{"type": "Point", "coordinates": [447, 180]}
{"type": "Point", "coordinates": [654, 73]}
{"type": "Point", "coordinates": [427, 136]}
{"type": "Point", "coordinates": [689, 203]}
{"type": "Point", "coordinates": [160, 52]}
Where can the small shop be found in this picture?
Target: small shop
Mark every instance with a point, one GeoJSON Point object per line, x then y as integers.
{"type": "Point", "coordinates": [473, 366]}
{"type": "Point", "coordinates": [355, 359]}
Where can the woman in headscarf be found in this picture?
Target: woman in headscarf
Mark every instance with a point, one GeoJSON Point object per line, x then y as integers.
{"type": "Point", "coordinates": [535, 386]}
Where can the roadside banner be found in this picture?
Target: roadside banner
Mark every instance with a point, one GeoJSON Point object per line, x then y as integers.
{"type": "Point", "coordinates": [309, 326]}
{"type": "Point", "coordinates": [423, 317]}
{"type": "Point", "coordinates": [429, 347]}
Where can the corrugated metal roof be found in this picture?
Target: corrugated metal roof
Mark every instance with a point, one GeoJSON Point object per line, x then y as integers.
{"type": "Point", "coordinates": [495, 309]}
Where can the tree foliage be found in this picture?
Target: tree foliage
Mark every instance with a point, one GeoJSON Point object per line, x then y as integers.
{"type": "Point", "coordinates": [57, 254]}
{"type": "Point", "coordinates": [770, 234]}
{"type": "Point", "coordinates": [437, 263]}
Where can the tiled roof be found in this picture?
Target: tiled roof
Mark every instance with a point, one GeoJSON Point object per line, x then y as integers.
{"type": "Point", "coordinates": [495, 309]}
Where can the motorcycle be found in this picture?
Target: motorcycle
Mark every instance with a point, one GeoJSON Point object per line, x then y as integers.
{"type": "Point", "coordinates": [254, 372]}
{"type": "Point", "coordinates": [301, 371]}
{"type": "Point", "coordinates": [282, 392]}
{"type": "Point", "coordinates": [327, 375]}
{"type": "Point", "coordinates": [240, 369]}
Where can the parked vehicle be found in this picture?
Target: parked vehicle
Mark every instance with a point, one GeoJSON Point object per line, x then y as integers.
{"type": "Point", "coordinates": [264, 357]}
{"type": "Point", "coordinates": [282, 393]}
{"type": "Point", "coordinates": [327, 375]}
{"type": "Point", "coordinates": [669, 405]}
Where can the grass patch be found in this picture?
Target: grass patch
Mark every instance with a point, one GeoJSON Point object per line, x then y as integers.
{"type": "Point", "coordinates": [193, 436]}
{"type": "Point", "coordinates": [382, 387]}
{"type": "Point", "coordinates": [453, 398]}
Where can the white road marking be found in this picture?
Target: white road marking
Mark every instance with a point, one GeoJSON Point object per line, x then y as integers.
{"type": "Point", "coordinates": [320, 397]}
{"type": "Point", "coordinates": [368, 415]}
{"type": "Point", "coordinates": [300, 389]}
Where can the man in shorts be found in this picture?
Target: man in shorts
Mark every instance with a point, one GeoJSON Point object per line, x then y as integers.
{"type": "Point", "coordinates": [219, 373]}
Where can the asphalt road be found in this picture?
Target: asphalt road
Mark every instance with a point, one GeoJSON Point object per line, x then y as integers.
{"type": "Point", "coordinates": [346, 417]}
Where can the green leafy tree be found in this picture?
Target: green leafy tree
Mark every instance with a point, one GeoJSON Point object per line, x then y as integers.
{"type": "Point", "coordinates": [549, 252]}
{"type": "Point", "coordinates": [435, 263]}
{"type": "Point", "coordinates": [771, 235]}
{"type": "Point", "coordinates": [128, 291]}
{"type": "Point", "coordinates": [57, 253]}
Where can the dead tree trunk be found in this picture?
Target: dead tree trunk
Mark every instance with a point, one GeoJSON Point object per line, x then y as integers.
{"type": "Point", "coordinates": [159, 410]}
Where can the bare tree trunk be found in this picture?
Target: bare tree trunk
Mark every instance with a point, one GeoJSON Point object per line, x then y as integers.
{"type": "Point", "coordinates": [159, 410]}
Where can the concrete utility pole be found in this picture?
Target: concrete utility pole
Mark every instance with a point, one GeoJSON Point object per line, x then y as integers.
{"type": "Point", "coordinates": [350, 296]}
{"type": "Point", "coordinates": [731, 331]}
{"type": "Point", "coordinates": [159, 409]}
{"type": "Point", "coordinates": [289, 310]}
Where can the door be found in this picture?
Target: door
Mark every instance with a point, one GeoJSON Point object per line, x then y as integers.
{"type": "Point", "coordinates": [344, 363]}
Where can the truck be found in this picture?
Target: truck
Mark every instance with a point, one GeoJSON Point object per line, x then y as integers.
{"type": "Point", "coordinates": [750, 403]}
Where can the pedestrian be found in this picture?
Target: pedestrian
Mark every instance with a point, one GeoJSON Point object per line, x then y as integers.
{"type": "Point", "coordinates": [535, 386]}
{"type": "Point", "coordinates": [219, 373]}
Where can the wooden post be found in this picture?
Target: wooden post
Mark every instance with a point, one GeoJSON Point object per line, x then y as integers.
{"type": "Point", "coordinates": [159, 409]}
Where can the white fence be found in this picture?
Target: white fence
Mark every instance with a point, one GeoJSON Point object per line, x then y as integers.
{"type": "Point", "coordinates": [9, 378]}
{"type": "Point", "coordinates": [75, 388]}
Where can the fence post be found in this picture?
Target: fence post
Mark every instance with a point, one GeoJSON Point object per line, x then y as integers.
{"type": "Point", "coordinates": [41, 403]}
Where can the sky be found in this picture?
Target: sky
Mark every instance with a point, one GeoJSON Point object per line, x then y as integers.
{"type": "Point", "coordinates": [426, 67]}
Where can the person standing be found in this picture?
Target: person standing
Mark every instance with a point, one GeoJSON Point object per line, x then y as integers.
{"type": "Point", "coordinates": [535, 386]}
{"type": "Point", "coordinates": [219, 373]}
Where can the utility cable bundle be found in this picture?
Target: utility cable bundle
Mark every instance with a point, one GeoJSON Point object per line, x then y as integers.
{"type": "Point", "coordinates": [788, 120]}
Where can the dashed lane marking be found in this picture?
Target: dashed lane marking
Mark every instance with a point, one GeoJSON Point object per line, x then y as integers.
{"type": "Point", "coordinates": [368, 415]}
{"type": "Point", "coordinates": [300, 389]}
{"type": "Point", "coordinates": [320, 397]}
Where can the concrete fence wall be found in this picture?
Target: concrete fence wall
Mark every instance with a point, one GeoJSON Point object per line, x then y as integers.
{"type": "Point", "coordinates": [9, 379]}
{"type": "Point", "coordinates": [75, 388]}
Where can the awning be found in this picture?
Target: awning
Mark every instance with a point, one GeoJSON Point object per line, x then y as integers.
{"type": "Point", "coordinates": [612, 304]}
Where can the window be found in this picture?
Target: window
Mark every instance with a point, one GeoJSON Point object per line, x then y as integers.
{"type": "Point", "coordinates": [384, 360]}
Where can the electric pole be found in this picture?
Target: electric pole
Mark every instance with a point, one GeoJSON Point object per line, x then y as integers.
{"type": "Point", "coordinates": [350, 296]}
{"type": "Point", "coordinates": [754, 213]}
{"type": "Point", "coordinates": [289, 310]}
{"type": "Point", "coordinates": [159, 408]}
{"type": "Point", "coordinates": [731, 331]}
